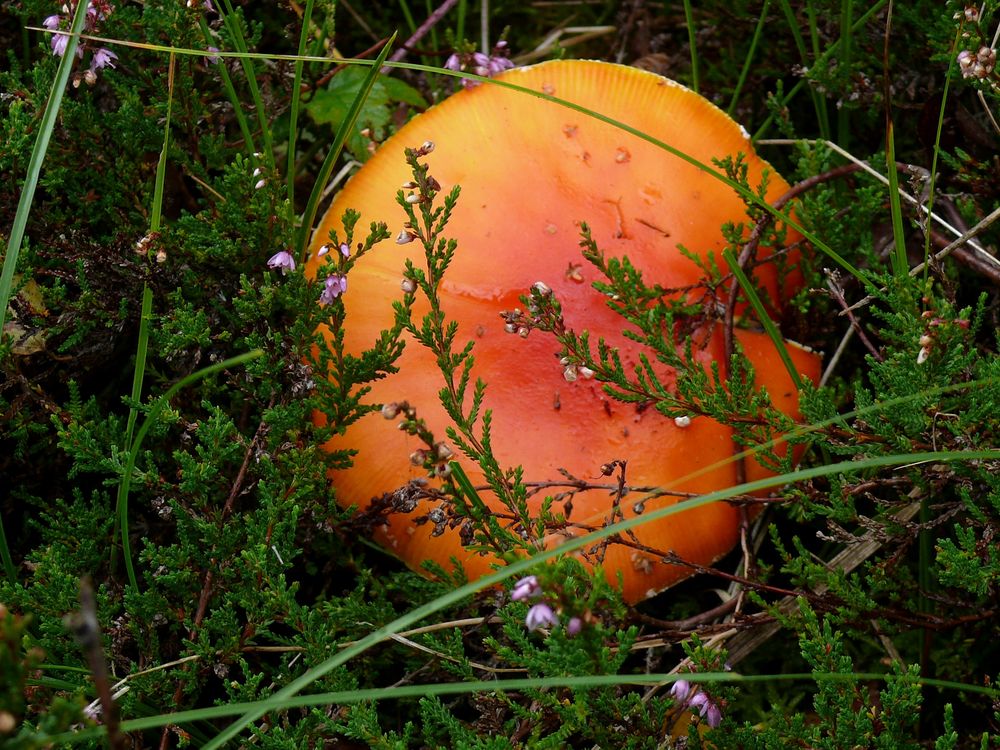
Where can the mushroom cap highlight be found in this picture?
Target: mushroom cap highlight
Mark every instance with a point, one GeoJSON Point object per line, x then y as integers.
{"type": "Point", "coordinates": [530, 171]}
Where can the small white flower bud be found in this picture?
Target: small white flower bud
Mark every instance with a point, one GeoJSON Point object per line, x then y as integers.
{"type": "Point", "coordinates": [408, 285]}
{"type": "Point", "coordinates": [541, 288]}
{"type": "Point", "coordinates": [409, 185]}
{"type": "Point", "coordinates": [922, 355]}
{"type": "Point", "coordinates": [390, 410]}
{"type": "Point", "coordinates": [260, 183]}
{"type": "Point", "coordinates": [682, 421]}
{"type": "Point", "coordinates": [427, 147]}
{"type": "Point", "coordinates": [322, 251]}
{"type": "Point", "coordinates": [585, 372]}
{"type": "Point", "coordinates": [412, 198]}
{"type": "Point", "coordinates": [405, 237]}
{"type": "Point", "coordinates": [510, 328]}
{"type": "Point", "coordinates": [570, 373]}
{"type": "Point", "coordinates": [523, 332]}
{"type": "Point", "coordinates": [925, 341]}
{"type": "Point", "coordinates": [258, 171]}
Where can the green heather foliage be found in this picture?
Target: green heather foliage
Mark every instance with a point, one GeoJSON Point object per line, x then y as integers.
{"type": "Point", "coordinates": [172, 539]}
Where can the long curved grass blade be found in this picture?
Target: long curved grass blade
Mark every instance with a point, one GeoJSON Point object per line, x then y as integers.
{"type": "Point", "coordinates": [48, 124]}
{"type": "Point", "coordinates": [576, 682]}
{"type": "Point", "coordinates": [343, 131]}
{"type": "Point", "coordinates": [410, 618]}
{"type": "Point", "coordinates": [151, 417]}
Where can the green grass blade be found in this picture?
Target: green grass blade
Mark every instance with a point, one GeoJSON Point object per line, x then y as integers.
{"type": "Point", "coordinates": [343, 132]}
{"type": "Point", "coordinates": [830, 52]}
{"type": "Point", "coordinates": [749, 58]}
{"type": "Point", "coordinates": [151, 417]}
{"type": "Point", "coordinates": [234, 100]}
{"type": "Point", "coordinates": [846, 58]}
{"type": "Point", "coordinates": [293, 111]}
{"type": "Point", "coordinates": [758, 306]}
{"type": "Point", "coordinates": [509, 685]}
{"type": "Point", "coordinates": [48, 124]}
{"type": "Point", "coordinates": [16, 237]}
{"type": "Point", "coordinates": [522, 566]}
{"type": "Point", "coordinates": [235, 30]}
{"type": "Point", "coordinates": [142, 347]}
{"type": "Point", "coordinates": [819, 103]}
{"type": "Point", "coordinates": [692, 43]}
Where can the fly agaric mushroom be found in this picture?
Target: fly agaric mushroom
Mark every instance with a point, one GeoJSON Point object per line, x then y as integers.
{"type": "Point", "coordinates": [530, 171]}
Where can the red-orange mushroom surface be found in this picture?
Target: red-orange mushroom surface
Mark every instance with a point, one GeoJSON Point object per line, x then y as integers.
{"type": "Point", "coordinates": [531, 171]}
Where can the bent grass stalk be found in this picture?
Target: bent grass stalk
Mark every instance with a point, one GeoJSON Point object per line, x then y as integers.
{"type": "Point", "coordinates": [146, 311]}
{"type": "Point", "coordinates": [151, 417]}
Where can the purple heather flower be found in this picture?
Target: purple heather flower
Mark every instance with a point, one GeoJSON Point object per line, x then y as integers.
{"type": "Point", "coordinates": [541, 616]}
{"type": "Point", "coordinates": [59, 42]}
{"type": "Point", "coordinates": [283, 260]}
{"type": "Point", "coordinates": [701, 702]}
{"type": "Point", "coordinates": [103, 58]}
{"type": "Point", "coordinates": [212, 59]}
{"type": "Point", "coordinates": [680, 690]}
{"type": "Point", "coordinates": [52, 22]}
{"type": "Point", "coordinates": [333, 287]}
{"type": "Point", "coordinates": [454, 62]}
{"type": "Point", "coordinates": [345, 249]}
{"type": "Point", "coordinates": [714, 716]}
{"type": "Point", "coordinates": [498, 65]}
{"type": "Point", "coordinates": [574, 626]}
{"type": "Point", "coordinates": [526, 588]}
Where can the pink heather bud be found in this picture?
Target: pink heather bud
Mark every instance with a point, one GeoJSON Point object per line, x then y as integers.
{"type": "Point", "coordinates": [526, 588]}
{"type": "Point", "coordinates": [541, 616]}
{"type": "Point", "coordinates": [585, 372]}
{"type": "Point", "coordinates": [390, 410]}
{"type": "Point", "coordinates": [345, 249]}
{"type": "Point", "coordinates": [971, 13]}
{"type": "Point", "coordinates": [454, 62]}
{"type": "Point", "coordinates": [322, 251]}
{"type": "Point", "coordinates": [408, 285]}
{"type": "Point", "coordinates": [404, 237]}
{"type": "Point", "coordinates": [427, 146]}
{"type": "Point", "coordinates": [570, 373]}
{"type": "Point", "coordinates": [260, 183]}
{"type": "Point", "coordinates": [680, 690]}
{"type": "Point", "coordinates": [574, 626]}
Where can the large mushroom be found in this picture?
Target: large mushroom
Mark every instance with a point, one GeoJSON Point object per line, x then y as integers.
{"type": "Point", "coordinates": [531, 171]}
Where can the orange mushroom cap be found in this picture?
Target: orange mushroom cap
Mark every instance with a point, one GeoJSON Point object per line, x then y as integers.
{"type": "Point", "coordinates": [531, 171]}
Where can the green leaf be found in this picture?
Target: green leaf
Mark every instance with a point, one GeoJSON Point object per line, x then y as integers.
{"type": "Point", "coordinates": [333, 104]}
